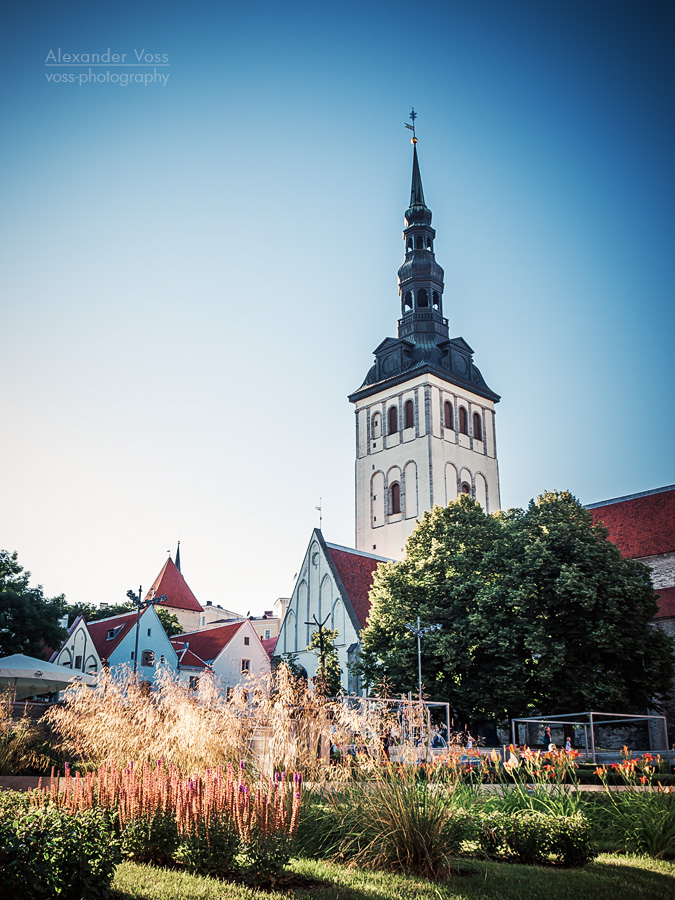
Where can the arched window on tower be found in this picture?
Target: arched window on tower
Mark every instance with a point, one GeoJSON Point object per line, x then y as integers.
{"type": "Point", "coordinates": [437, 300]}
{"type": "Point", "coordinates": [477, 427]}
{"type": "Point", "coordinates": [466, 487]}
{"type": "Point", "coordinates": [429, 245]}
{"type": "Point", "coordinates": [407, 302]}
{"type": "Point", "coordinates": [419, 242]}
{"type": "Point", "coordinates": [448, 414]}
{"type": "Point", "coordinates": [392, 420]}
{"type": "Point", "coordinates": [409, 245]}
{"type": "Point", "coordinates": [408, 414]}
{"type": "Point", "coordinates": [422, 298]}
{"type": "Point", "coordinates": [376, 425]}
{"type": "Point", "coordinates": [394, 498]}
{"type": "Point", "coordinates": [463, 424]}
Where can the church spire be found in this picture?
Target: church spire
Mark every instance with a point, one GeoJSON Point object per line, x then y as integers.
{"type": "Point", "coordinates": [178, 557]}
{"type": "Point", "coordinates": [420, 278]}
{"type": "Point", "coordinates": [416, 192]}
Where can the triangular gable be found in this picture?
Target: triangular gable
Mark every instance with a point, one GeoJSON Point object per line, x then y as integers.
{"type": "Point", "coordinates": [392, 342]}
{"type": "Point", "coordinates": [209, 643]}
{"type": "Point", "coordinates": [269, 645]}
{"type": "Point", "coordinates": [189, 660]}
{"type": "Point", "coordinates": [171, 584]}
{"type": "Point", "coordinates": [71, 631]}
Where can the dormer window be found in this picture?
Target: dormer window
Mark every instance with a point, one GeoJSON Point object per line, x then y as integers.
{"type": "Point", "coordinates": [113, 632]}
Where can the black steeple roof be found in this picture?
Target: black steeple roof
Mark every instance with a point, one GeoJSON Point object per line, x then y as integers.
{"type": "Point", "coordinates": [423, 342]}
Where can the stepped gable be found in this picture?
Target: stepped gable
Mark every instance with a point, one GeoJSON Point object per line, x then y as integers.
{"type": "Point", "coordinates": [171, 584]}
{"type": "Point", "coordinates": [641, 525]}
{"type": "Point", "coordinates": [209, 643]}
{"type": "Point", "coordinates": [99, 630]}
{"type": "Point", "coordinates": [356, 573]}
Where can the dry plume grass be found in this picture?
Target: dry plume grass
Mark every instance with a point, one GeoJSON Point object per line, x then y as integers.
{"type": "Point", "coordinates": [275, 724]}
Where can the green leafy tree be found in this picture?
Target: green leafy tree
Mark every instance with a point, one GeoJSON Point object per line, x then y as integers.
{"type": "Point", "coordinates": [538, 612]}
{"type": "Point", "coordinates": [169, 621]}
{"type": "Point", "coordinates": [328, 678]}
{"type": "Point", "coordinates": [29, 621]}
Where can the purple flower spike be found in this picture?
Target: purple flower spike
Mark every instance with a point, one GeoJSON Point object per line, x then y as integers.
{"type": "Point", "coordinates": [241, 764]}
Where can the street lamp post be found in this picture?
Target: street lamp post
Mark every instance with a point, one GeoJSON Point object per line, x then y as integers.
{"type": "Point", "coordinates": [139, 603]}
{"type": "Point", "coordinates": [419, 631]}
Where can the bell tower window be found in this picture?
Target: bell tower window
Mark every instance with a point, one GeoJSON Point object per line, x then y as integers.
{"type": "Point", "coordinates": [422, 298]}
{"type": "Point", "coordinates": [448, 414]}
{"type": "Point", "coordinates": [463, 424]}
{"type": "Point", "coordinates": [407, 302]}
{"type": "Point", "coordinates": [392, 420]}
{"type": "Point", "coordinates": [409, 245]}
{"type": "Point", "coordinates": [394, 498]}
{"type": "Point", "coordinates": [477, 427]}
{"type": "Point", "coordinates": [408, 414]}
{"type": "Point", "coordinates": [419, 242]}
{"type": "Point", "coordinates": [437, 300]}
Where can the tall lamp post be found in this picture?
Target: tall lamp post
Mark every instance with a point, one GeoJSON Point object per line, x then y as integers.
{"type": "Point", "coordinates": [419, 631]}
{"type": "Point", "coordinates": [140, 604]}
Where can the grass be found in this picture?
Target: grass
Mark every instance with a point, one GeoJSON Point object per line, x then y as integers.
{"type": "Point", "coordinates": [610, 877]}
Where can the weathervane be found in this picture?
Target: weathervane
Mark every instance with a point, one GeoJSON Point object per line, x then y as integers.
{"type": "Point", "coordinates": [413, 116]}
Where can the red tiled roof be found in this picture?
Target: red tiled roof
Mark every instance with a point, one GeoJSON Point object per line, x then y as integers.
{"type": "Point", "coordinates": [100, 628]}
{"type": "Point", "coordinates": [640, 526]}
{"type": "Point", "coordinates": [209, 643]}
{"type": "Point", "coordinates": [189, 659]}
{"type": "Point", "coordinates": [666, 600]}
{"type": "Point", "coordinates": [269, 644]}
{"type": "Point", "coordinates": [173, 586]}
{"type": "Point", "coordinates": [356, 572]}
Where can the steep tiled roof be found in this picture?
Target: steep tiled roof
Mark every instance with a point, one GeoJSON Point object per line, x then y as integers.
{"type": "Point", "coordinates": [269, 644]}
{"type": "Point", "coordinates": [173, 586]}
{"type": "Point", "coordinates": [356, 573]}
{"type": "Point", "coordinates": [186, 658]}
{"type": "Point", "coordinates": [666, 601]}
{"type": "Point", "coordinates": [209, 643]}
{"type": "Point", "coordinates": [640, 525]}
{"type": "Point", "coordinates": [100, 628]}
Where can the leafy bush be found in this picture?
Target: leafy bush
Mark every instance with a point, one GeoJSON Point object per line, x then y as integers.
{"type": "Point", "coordinates": [47, 852]}
{"type": "Point", "coordinates": [264, 858]}
{"type": "Point", "coordinates": [534, 837]}
{"type": "Point", "coordinates": [150, 840]}
{"type": "Point", "coordinates": [208, 851]}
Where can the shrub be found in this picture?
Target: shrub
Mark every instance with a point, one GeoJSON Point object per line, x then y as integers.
{"type": "Point", "coordinates": [49, 852]}
{"type": "Point", "coordinates": [208, 851]}
{"type": "Point", "coordinates": [533, 837]}
{"type": "Point", "coordinates": [150, 840]}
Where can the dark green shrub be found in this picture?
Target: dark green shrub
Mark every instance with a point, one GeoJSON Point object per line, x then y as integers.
{"type": "Point", "coordinates": [49, 852]}
{"type": "Point", "coordinates": [209, 852]}
{"type": "Point", "coordinates": [264, 858]}
{"type": "Point", "coordinates": [534, 838]}
{"type": "Point", "coordinates": [152, 840]}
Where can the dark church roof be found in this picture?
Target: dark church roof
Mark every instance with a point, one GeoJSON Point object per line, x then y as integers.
{"type": "Point", "coordinates": [423, 344]}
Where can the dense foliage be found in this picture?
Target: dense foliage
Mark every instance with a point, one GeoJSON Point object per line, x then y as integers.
{"type": "Point", "coordinates": [538, 611]}
{"type": "Point", "coordinates": [29, 621]}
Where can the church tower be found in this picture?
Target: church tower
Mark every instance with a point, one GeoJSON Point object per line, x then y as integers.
{"type": "Point", "coordinates": [425, 418]}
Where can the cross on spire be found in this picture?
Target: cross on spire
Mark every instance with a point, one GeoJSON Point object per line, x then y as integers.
{"type": "Point", "coordinates": [413, 116]}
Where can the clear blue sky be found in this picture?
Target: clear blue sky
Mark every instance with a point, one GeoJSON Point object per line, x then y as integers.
{"type": "Point", "coordinates": [195, 274]}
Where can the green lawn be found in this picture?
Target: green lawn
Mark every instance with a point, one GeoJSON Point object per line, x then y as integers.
{"type": "Point", "coordinates": [609, 878]}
